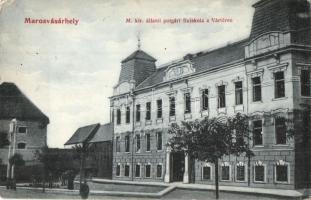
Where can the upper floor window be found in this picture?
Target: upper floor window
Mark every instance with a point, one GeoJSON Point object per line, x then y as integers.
{"type": "Point", "coordinates": [205, 99]}
{"type": "Point", "coordinates": [148, 110]}
{"type": "Point", "coordinates": [221, 96]}
{"type": "Point", "coordinates": [172, 106]}
{"type": "Point", "coordinates": [238, 93]}
{"type": "Point", "coordinates": [118, 116]}
{"type": "Point", "coordinates": [280, 130]}
{"type": "Point", "coordinates": [118, 147]}
{"type": "Point", "coordinates": [159, 107]}
{"type": "Point", "coordinates": [137, 113]}
{"type": "Point", "coordinates": [159, 140]}
{"type": "Point", "coordinates": [22, 129]}
{"type": "Point", "coordinates": [147, 142]}
{"type": "Point", "coordinates": [257, 132]}
{"type": "Point", "coordinates": [127, 143]}
{"type": "Point", "coordinates": [305, 83]}
{"type": "Point", "coordinates": [128, 114]}
{"type": "Point", "coordinates": [137, 142]}
{"type": "Point", "coordinates": [279, 85]}
{"type": "Point", "coordinates": [256, 89]}
{"type": "Point", "coordinates": [21, 145]}
{"type": "Point", "coordinates": [187, 103]}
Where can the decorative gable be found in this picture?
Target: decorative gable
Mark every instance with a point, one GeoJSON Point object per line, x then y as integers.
{"type": "Point", "coordinates": [178, 70]}
{"type": "Point", "coordinates": [266, 42]}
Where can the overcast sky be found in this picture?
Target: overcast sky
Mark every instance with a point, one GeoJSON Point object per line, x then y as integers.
{"type": "Point", "coordinates": [68, 71]}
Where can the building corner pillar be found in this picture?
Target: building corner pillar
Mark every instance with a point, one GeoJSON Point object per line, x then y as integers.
{"type": "Point", "coordinates": [186, 172]}
{"type": "Point", "coordinates": [167, 167]}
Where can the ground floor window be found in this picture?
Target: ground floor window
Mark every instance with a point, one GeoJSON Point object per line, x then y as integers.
{"type": "Point", "coordinates": [137, 171]}
{"type": "Point", "coordinates": [240, 172]}
{"type": "Point", "coordinates": [259, 172]}
{"type": "Point", "coordinates": [118, 172]}
{"type": "Point", "coordinates": [148, 171]}
{"type": "Point", "coordinates": [159, 170]}
{"type": "Point", "coordinates": [225, 172]}
{"type": "Point", "coordinates": [127, 170]}
{"type": "Point", "coordinates": [206, 173]}
{"type": "Point", "coordinates": [281, 171]}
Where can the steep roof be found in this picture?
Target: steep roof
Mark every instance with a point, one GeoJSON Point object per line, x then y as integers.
{"type": "Point", "coordinates": [139, 54]}
{"type": "Point", "coordinates": [279, 15]}
{"type": "Point", "coordinates": [14, 104]}
{"type": "Point", "coordinates": [203, 61]}
{"type": "Point", "coordinates": [83, 134]}
{"type": "Point", "coordinates": [104, 133]}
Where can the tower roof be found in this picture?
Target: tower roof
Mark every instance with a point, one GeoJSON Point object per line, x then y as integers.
{"type": "Point", "coordinates": [279, 15]}
{"type": "Point", "coordinates": [139, 54]}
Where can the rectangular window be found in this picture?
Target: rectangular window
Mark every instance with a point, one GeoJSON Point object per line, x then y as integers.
{"type": "Point", "coordinates": [238, 93]}
{"type": "Point", "coordinates": [22, 129]}
{"type": "Point", "coordinates": [205, 99]}
{"type": "Point", "coordinates": [281, 173]}
{"type": "Point", "coordinates": [305, 83]}
{"type": "Point", "coordinates": [128, 115]}
{"type": "Point", "coordinates": [240, 173]}
{"type": "Point", "coordinates": [159, 108]}
{"type": "Point", "coordinates": [137, 171]}
{"type": "Point", "coordinates": [21, 145]}
{"type": "Point", "coordinates": [187, 103]}
{"type": "Point", "coordinates": [148, 171]}
{"type": "Point", "coordinates": [127, 143]}
{"type": "Point", "coordinates": [137, 142]}
{"type": "Point", "coordinates": [257, 132]}
{"type": "Point", "coordinates": [159, 141]}
{"type": "Point", "coordinates": [127, 170]}
{"type": "Point", "coordinates": [256, 89]}
{"type": "Point", "coordinates": [118, 116]}
{"type": "Point", "coordinates": [260, 173]}
{"type": "Point", "coordinates": [147, 142]}
{"type": "Point", "coordinates": [159, 171]}
{"type": "Point", "coordinates": [280, 130]}
{"type": "Point", "coordinates": [206, 173]}
{"type": "Point", "coordinates": [138, 113]}
{"type": "Point", "coordinates": [225, 173]}
{"type": "Point", "coordinates": [118, 144]}
{"type": "Point", "coordinates": [172, 106]}
{"type": "Point", "coordinates": [118, 172]}
{"type": "Point", "coordinates": [221, 96]}
{"type": "Point", "coordinates": [279, 85]}
{"type": "Point", "coordinates": [148, 110]}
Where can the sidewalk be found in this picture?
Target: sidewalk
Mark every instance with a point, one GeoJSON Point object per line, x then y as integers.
{"type": "Point", "coordinates": [192, 186]}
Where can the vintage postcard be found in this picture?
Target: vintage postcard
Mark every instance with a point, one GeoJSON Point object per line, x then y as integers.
{"type": "Point", "coordinates": [140, 99]}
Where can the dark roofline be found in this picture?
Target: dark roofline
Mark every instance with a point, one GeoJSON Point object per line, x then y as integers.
{"type": "Point", "coordinates": [91, 134]}
{"type": "Point", "coordinates": [43, 117]}
{"type": "Point", "coordinates": [132, 56]}
{"type": "Point", "coordinates": [194, 55]}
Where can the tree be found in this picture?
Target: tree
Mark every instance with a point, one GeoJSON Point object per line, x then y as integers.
{"type": "Point", "coordinates": [210, 139]}
{"type": "Point", "coordinates": [82, 151]}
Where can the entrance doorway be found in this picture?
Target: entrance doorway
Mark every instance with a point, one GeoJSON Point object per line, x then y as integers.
{"type": "Point", "coordinates": [177, 166]}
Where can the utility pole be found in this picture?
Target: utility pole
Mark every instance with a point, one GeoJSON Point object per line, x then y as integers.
{"type": "Point", "coordinates": [12, 136]}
